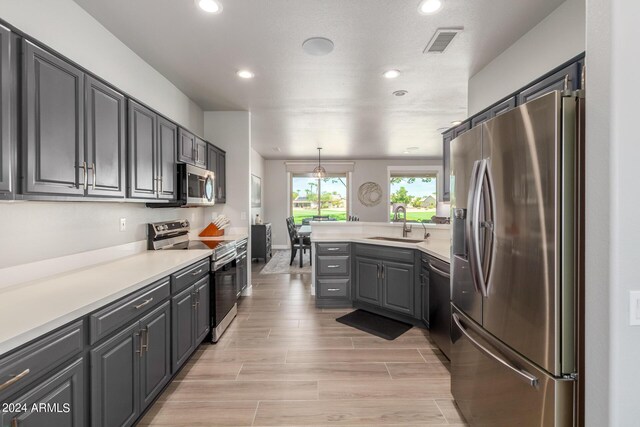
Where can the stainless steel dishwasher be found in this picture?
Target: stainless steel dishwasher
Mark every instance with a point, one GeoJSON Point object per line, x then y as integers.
{"type": "Point", "coordinates": [440, 304]}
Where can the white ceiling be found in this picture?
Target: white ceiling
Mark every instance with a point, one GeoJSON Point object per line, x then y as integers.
{"type": "Point", "coordinates": [341, 101]}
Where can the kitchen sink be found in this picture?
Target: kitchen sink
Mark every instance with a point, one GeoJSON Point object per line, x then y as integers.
{"type": "Point", "coordinates": [396, 239]}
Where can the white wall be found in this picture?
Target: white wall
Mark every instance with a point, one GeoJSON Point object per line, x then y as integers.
{"type": "Point", "coordinates": [556, 39]}
{"type": "Point", "coordinates": [231, 131]}
{"type": "Point", "coordinates": [276, 187]}
{"type": "Point", "coordinates": [257, 169]}
{"type": "Point", "coordinates": [34, 231]}
{"type": "Point", "coordinates": [613, 366]}
{"type": "Point", "coordinates": [67, 28]}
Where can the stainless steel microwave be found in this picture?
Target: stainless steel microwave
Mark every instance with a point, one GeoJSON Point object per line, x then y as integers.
{"type": "Point", "coordinates": [196, 187]}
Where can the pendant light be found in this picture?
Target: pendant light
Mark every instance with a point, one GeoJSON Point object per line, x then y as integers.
{"type": "Point", "coordinates": [319, 172]}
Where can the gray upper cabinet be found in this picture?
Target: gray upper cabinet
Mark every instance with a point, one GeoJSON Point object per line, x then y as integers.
{"type": "Point", "coordinates": [556, 81]}
{"type": "Point", "coordinates": [501, 108]}
{"type": "Point", "coordinates": [62, 389]}
{"type": "Point", "coordinates": [217, 163]}
{"type": "Point", "coordinates": [186, 147]}
{"type": "Point", "coordinates": [53, 102]}
{"type": "Point", "coordinates": [7, 110]}
{"type": "Point", "coordinates": [152, 154]}
{"type": "Point", "coordinates": [115, 379]}
{"type": "Point", "coordinates": [105, 125]}
{"type": "Point", "coordinates": [155, 364]}
{"type": "Point", "coordinates": [368, 280]}
{"type": "Point", "coordinates": [446, 164]}
{"type": "Point", "coordinates": [142, 152]}
{"type": "Point", "coordinates": [398, 287]}
{"type": "Point", "coordinates": [200, 159]}
{"type": "Point", "coordinates": [166, 162]}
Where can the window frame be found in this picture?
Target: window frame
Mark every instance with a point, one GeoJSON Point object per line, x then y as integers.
{"type": "Point", "coordinates": [418, 170]}
{"type": "Point", "coordinates": [347, 176]}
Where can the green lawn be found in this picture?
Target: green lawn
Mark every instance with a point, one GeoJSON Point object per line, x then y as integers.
{"type": "Point", "coordinates": [341, 215]}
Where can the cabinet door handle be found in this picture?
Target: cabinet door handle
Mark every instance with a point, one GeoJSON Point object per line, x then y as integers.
{"type": "Point", "coordinates": [378, 270]}
{"type": "Point", "coordinates": [333, 266]}
{"type": "Point", "coordinates": [382, 270]}
{"type": "Point", "coordinates": [333, 249]}
{"type": "Point", "coordinates": [15, 379]}
{"type": "Point", "coordinates": [195, 273]}
{"type": "Point", "coordinates": [145, 342]}
{"type": "Point", "coordinates": [195, 303]}
{"type": "Point", "coordinates": [139, 351]}
{"type": "Point", "coordinates": [161, 179]}
{"type": "Point", "coordinates": [14, 422]}
{"type": "Point", "coordinates": [139, 306]}
{"type": "Point", "coordinates": [84, 175]}
{"type": "Point", "coordinates": [333, 289]}
{"type": "Point", "coordinates": [92, 168]}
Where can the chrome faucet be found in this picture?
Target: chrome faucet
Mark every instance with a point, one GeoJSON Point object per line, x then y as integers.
{"type": "Point", "coordinates": [405, 228]}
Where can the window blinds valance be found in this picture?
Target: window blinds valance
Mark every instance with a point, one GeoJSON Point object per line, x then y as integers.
{"type": "Point", "coordinates": [307, 166]}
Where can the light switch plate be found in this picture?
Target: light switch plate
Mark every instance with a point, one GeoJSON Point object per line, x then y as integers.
{"type": "Point", "coordinates": [123, 224]}
{"type": "Point", "coordinates": [634, 308]}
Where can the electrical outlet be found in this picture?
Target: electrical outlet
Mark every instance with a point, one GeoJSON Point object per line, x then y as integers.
{"type": "Point", "coordinates": [123, 224]}
{"type": "Point", "coordinates": [634, 308]}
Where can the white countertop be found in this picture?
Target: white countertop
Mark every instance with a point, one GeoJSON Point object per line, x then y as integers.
{"type": "Point", "coordinates": [439, 248]}
{"type": "Point", "coordinates": [32, 309]}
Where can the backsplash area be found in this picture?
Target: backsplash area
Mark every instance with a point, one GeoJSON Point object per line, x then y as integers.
{"type": "Point", "coordinates": [34, 231]}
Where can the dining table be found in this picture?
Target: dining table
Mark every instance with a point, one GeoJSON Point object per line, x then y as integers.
{"type": "Point", "coordinates": [304, 231]}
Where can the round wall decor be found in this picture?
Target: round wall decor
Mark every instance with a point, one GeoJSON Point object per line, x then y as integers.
{"type": "Point", "coordinates": [370, 194]}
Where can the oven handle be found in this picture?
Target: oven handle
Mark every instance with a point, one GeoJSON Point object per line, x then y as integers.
{"type": "Point", "coordinates": [225, 260]}
{"type": "Point", "coordinates": [241, 254]}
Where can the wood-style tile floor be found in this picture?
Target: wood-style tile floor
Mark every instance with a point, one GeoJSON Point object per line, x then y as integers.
{"type": "Point", "coordinates": [283, 362]}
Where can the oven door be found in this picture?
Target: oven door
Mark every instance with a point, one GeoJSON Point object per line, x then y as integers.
{"type": "Point", "coordinates": [200, 186]}
{"type": "Point", "coordinates": [223, 295]}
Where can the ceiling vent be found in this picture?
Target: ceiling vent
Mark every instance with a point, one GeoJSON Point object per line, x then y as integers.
{"type": "Point", "coordinates": [441, 40]}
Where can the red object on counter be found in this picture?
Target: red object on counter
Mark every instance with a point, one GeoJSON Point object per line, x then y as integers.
{"type": "Point", "coordinates": [211, 231]}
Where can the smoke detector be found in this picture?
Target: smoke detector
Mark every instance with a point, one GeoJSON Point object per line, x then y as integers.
{"type": "Point", "coordinates": [441, 40]}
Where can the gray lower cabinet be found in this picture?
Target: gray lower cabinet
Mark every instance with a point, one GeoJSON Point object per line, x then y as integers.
{"type": "Point", "coordinates": [155, 363]}
{"type": "Point", "coordinates": [62, 391]}
{"type": "Point", "coordinates": [333, 274]}
{"type": "Point", "coordinates": [115, 379]}
{"type": "Point", "coordinates": [53, 103]}
{"type": "Point", "coordinates": [190, 321]}
{"type": "Point", "coordinates": [182, 327]}
{"type": "Point", "coordinates": [368, 280]}
{"type": "Point", "coordinates": [424, 292]}
{"type": "Point", "coordinates": [130, 369]}
{"type": "Point", "coordinates": [398, 288]}
{"type": "Point", "coordinates": [7, 109]}
{"type": "Point", "coordinates": [106, 146]}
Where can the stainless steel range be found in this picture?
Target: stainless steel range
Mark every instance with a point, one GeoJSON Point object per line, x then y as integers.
{"type": "Point", "coordinates": [174, 235]}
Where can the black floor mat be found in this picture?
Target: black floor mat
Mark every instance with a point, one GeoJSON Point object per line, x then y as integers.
{"type": "Point", "coordinates": [374, 324]}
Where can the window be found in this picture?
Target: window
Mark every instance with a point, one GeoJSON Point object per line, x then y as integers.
{"type": "Point", "coordinates": [313, 197]}
{"type": "Point", "coordinates": [417, 192]}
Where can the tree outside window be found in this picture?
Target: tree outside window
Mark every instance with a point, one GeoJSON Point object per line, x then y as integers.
{"type": "Point", "coordinates": [416, 192]}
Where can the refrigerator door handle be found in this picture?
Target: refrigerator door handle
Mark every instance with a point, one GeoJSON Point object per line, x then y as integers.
{"type": "Point", "coordinates": [489, 225]}
{"type": "Point", "coordinates": [469, 224]}
{"type": "Point", "coordinates": [531, 379]}
{"type": "Point", "coordinates": [474, 246]}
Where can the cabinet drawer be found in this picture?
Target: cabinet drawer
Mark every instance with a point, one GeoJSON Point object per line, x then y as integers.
{"type": "Point", "coordinates": [385, 253]}
{"type": "Point", "coordinates": [332, 248]}
{"type": "Point", "coordinates": [42, 356]}
{"type": "Point", "coordinates": [188, 276]}
{"type": "Point", "coordinates": [333, 288]}
{"type": "Point", "coordinates": [333, 265]}
{"type": "Point", "coordinates": [116, 315]}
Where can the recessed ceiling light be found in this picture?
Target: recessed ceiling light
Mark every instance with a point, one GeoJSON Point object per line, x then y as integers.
{"type": "Point", "coordinates": [276, 149]}
{"type": "Point", "coordinates": [317, 46]}
{"type": "Point", "coordinates": [391, 74]}
{"type": "Point", "coordinates": [427, 7]}
{"type": "Point", "coordinates": [245, 74]}
{"type": "Point", "coordinates": [412, 148]}
{"type": "Point", "coordinates": [400, 92]}
{"type": "Point", "coordinates": [456, 122]}
{"type": "Point", "coordinates": [210, 6]}
{"type": "Point", "coordinates": [405, 152]}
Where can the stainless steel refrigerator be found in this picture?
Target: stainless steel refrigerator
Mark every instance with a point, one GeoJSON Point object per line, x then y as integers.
{"type": "Point", "coordinates": [515, 260]}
